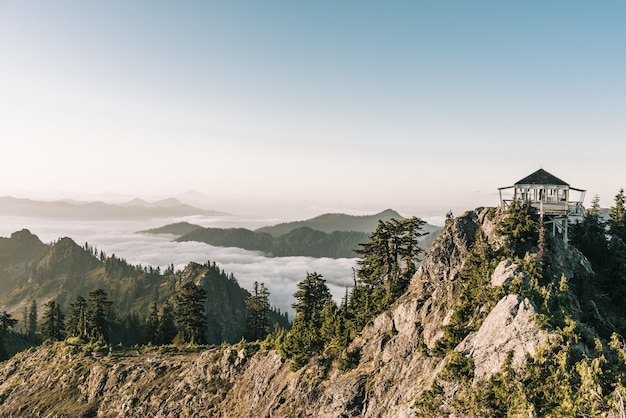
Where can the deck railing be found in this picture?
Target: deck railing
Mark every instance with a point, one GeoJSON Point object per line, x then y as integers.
{"type": "Point", "coordinates": [551, 207]}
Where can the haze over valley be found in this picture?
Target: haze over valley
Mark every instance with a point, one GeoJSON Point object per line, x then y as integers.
{"type": "Point", "coordinates": [116, 230]}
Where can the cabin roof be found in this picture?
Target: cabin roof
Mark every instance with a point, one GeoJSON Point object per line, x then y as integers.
{"type": "Point", "coordinates": [541, 176]}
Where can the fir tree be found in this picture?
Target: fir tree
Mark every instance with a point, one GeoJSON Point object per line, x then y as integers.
{"type": "Point", "coordinates": [166, 330]}
{"type": "Point", "coordinates": [6, 323]}
{"type": "Point", "coordinates": [590, 235]}
{"type": "Point", "coordinates": [53, 325]}
{"type": "Point", "coordinates": [305, 338]}
{"type": "Point", "coordinates": [98, 314]}
{"type": "Point", "coordinates": [520, 227]}
{"type": "Point", "coordinates": [388, 261]}
{"type": "Point", "coordinates": [32, 319]}
{"type": "Point", "coordinates": [77, 319]}
{"type": "Point", "coordinates": [190, 313]}
{"type": "Point", "coordinates": [258, 313]}
{"type": "Point", "coordinates": [152, 324]}
{"type": "Point", "coordinates": [617, 217]}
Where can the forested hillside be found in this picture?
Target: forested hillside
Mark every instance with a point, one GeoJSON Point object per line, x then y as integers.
{"type": "Point", "coordinates": [302, 241]}
{"type": "Point", "coordinates": [64, 272]}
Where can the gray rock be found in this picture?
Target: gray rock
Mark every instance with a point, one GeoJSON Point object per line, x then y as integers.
{"type": "Point", "coordinates": [509, 327]}
{"type": "Point", "coordinates": [506, 272]}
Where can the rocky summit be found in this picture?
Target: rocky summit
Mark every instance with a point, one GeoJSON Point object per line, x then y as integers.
{"type": "Point", "coordinates": [481, 331]}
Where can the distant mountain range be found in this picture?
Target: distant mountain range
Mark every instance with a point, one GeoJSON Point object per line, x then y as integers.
{"type": "Point", "coordinates": [334, 235]}
{"type": "Point", "coordinates": [332, 222]}
{"type": "Point", "coordinates": [179, 229]}
{"type": "Point", "coordinates": [71, 209]}
{"type": "Point", "coordinates": [302, 241]}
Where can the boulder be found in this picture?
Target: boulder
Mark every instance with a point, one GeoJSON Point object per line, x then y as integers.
{"type": "Point", "coordinates": [508, 327]}
{"type": "Point", "coordinates": [506, 272]}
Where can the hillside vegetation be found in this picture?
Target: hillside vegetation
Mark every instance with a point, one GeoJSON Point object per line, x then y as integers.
{"type": "Point", "coordinates": [302, 241]}
{"type": "Point", "coordinates": [62, 271]}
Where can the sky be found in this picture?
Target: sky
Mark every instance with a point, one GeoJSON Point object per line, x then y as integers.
{"type": "Point", "coordinates": [354, 106]}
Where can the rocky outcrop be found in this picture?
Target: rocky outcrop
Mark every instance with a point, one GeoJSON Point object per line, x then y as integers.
{"type": "Point", "coordinates": [509, 327]}
{"type": "Point", "coordinates": [506, 272]}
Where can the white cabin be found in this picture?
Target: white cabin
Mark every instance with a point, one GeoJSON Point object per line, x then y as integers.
{"type": "Point", "coordinates": [551, 196]}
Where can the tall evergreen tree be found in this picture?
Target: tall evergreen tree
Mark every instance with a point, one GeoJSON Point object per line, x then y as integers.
{"type": "Point", "coordinates": [152, 324]}
{"type": "Point", "coordinates": [167, 327]}
{"type": "Point", "coordinates": [77, 319]}
{"type": "Point", "coordinates": [190, 313]}
{"type": "Point", "coordinates": [24, 325]}
{"type": "Point", "coordinates": [258, 313]}
{"type": "Point", "coordinates": [617, 217]}
{"type": "Point", "coordinates": [305, 338]}
{"type": "Point", "coordinates": [590, 236]}
{"type": "Point", "coordinates": [521, 228]}
{"type": "Point", "coordinates": [6, 323]}
{"type": "Point", "coordinates": [53, 325]}
{"type": "Point", "coordinates": [387, 263]}
{"type": "Point", "coordinates": [32, 319]}
{"type": "Point", "coordinates": [98, 314]}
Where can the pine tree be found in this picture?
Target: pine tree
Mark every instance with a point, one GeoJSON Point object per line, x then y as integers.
{"type": "Point", "coordinates": [330, 320]}
{"type": "Point", "coordinates": [167, 327]}
{"type": "Point", "coordinates": [617, 217]}
{"type": "Point", "coordinates": [98, 314]}
{"type": "Point", "coordinates": [77, 319]}
{"type": "Point", "coordinates": [387, 263]}
{"type": "Point", "coordinates": [305, 338]}
{"type": "Point", "coordinates": [521, 228]}
{"type": "Point", "coordinates": [152, 324]}
{"type": "Point", "coordinates": [190, 313]}
{"type": "Point", "coordinates": [258, 313]}
{"type": "Point", "coordinates": [590, 235]}
{"type": "Point", "coordinates": [32, 319]}
{"type": "Point", "coordinates": [53, 325]}
{"type": "Point", "coordinates": [6, 323]}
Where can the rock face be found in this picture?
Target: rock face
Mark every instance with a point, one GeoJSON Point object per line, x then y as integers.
{"type": "Point", "coordinates": [398, 359]}
{"type": "Point", "coordinates": [506, 272]}
{"type": "Point", "coordinates": [508, 327]}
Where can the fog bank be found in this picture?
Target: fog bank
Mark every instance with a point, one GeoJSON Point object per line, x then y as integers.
{"type": "Point", "coordinates": [279, 274]}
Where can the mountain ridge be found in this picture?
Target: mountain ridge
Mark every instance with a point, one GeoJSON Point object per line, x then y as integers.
{"type": "Point", "coordinates": [302, 241]}
{"type": "Point", "coordinates": [331, 222]}
{"type": "Point", "coordinates": [334, 235]}
{"type": "Point", "coordinates": [64, 209]}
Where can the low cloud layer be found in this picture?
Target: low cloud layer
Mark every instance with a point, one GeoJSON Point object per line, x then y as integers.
{"type": "Point", "coordinates": [279, 274]}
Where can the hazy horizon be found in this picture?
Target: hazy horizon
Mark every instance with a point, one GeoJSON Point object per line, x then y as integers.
{"type": "Point", "coordinates": [258, 213]}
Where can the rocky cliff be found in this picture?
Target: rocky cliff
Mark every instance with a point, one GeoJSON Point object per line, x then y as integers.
{"type": "Point", "coordinates": [402, 365]}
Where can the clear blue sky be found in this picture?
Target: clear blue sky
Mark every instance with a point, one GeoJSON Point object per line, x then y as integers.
{"type": "Point", "coordinates": [404, 104]}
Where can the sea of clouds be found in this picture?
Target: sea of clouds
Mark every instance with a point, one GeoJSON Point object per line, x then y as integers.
{"type": "Point", "coordinates": [279, 274]}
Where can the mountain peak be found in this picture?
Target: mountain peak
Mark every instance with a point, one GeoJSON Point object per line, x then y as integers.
{"type": "Point", "coordinates": [24, 234]}
{"type": "Point", "coordinates": [391, 213]}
